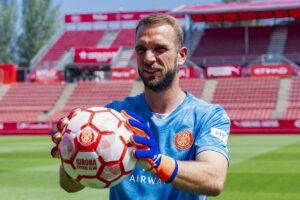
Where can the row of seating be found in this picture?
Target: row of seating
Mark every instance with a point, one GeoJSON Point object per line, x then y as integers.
{"type": "Point", "coordinates": [27, 101]}
{"type": "Point", "coordinates": [33, 100]}
{"type": "Point", "coordinates": [91, 94]}
{"type": "Point", "coordinates": [82, 39]}
{"type": "Point", "coordinates": [224, 42]}
{"type": "Point", "coordinates": [228, 45]}
{"type": "Point", "coordinates": [293, 110]}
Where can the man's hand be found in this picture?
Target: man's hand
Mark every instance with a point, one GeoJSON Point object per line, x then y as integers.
{"type": "Point", "coordinates": [58, 129]}
{"type": "Point", "coordinates": [57, 134]}
{"type": "Point", "coordinates": [166, 168]}
{"type": "Point", "coordinates": [65, 181]}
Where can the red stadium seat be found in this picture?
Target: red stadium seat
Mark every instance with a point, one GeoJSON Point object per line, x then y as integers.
{"type": "Point", "coordinates": [247, 98]}
{"type": "Point", "coordinates": [91, 94]}
{"type": "Point", "coordinates": [194, 86]}
{"type": "Point", "coordinates": [293, 110]}
{"type": "Point", "coordinates": [27, 101]}
{"type": "Point", "coordinates": [70, 39]}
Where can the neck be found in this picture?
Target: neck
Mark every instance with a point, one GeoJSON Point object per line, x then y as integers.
{"type": "Point", "coordinates": [164, 101]}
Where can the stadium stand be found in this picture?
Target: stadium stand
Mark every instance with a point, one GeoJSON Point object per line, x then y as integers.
{"type": "Point", "coordinates": [26, 101]}
{"type": "Point", "coordinates": [293, 110]}
{"type": "Point", "coordinates": [91, 94]}
{"type": "Point", "coordinates": [211, 44]}
{"type": "Point", "coordinates": [70, 39]}
{"type": "Point", "coordinates": [124, 38]}
{"type": "Point", "coordinates": [292, 46]}
{"type": "Point", "coordinates": [243, 98]}
{"type": "Point", "coordinates": [194, 86]}
{"type": "Point", "coordinates": [259, 38]}
{"type": "Point", "coordinates": [247, 98]}
{"type": "Point", "coordinates": [213, 47]}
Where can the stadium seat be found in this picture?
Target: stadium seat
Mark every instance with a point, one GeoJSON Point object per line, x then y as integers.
{"type": "Point", "coordinates": [92, 94]}
{"type": "Point", "coordinates": [26, 101]}
{"type": "Point", "coordinates": [227, 45]}
{"type": "Point", "coordinates": [194, 86]}
{"type": "Point", "coordinates": [292, 45]}
{"type": "Point", "coordinates": [247, 98]}
{"type": "Point", "coordinates": [293, 110]}
{"type": "Point", "coordinates": [124, 38]}
{"type": "Point", "coordinates": [69, 39]}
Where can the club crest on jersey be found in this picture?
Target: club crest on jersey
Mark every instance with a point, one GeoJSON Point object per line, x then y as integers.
{"type": "Point", "coordinates": [183, 140]}
{"type": "Point", "coordinates": [86, 137]}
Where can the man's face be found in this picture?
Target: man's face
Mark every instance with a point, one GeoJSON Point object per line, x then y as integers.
{"type": "Point", "coordinates": [157, 56]}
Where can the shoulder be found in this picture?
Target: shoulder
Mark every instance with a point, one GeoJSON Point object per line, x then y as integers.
{"type": "Point", "coordinates": [126, 103]}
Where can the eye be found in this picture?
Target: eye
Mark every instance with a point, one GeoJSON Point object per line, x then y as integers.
{"type": "Point", "coordinates": [140, 50]}
{"type": "Point", "coordinates": [160, 50]}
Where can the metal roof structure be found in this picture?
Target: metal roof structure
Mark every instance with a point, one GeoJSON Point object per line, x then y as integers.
{"type": "Point", "coordinates": [241, 11]}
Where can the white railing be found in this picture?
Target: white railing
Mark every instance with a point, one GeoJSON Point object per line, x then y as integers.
{"type": "Point", "coordinates": [45, 48]}
{"type": "Point", "coordinates": [247, 59]}
{"type": "Point", "coordinates": [66, 58]}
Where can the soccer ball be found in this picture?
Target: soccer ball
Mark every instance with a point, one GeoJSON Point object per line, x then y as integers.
{"type": "Point", "coordinates": [94, 149]}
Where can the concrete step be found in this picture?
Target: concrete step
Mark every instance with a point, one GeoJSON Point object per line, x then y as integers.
{"type": "Point", "coordinates": [124, 57]}
{"type": "Point", "coordinates": [3, 90]}
{"type": "Point", "coordinates": [209, 89]}
{"type": "Point", "coordinates": [282, 98]}
{"type": "Point", "coordinates": [277, 41]}
{"type": "Point", "coordinates": [108, 38]}
{"type": "Point", "coordinates": [60, 103]}
{"type": "Point", "coordinates": [138, 87]}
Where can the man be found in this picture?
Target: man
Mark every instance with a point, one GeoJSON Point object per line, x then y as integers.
{"type": "Point", "coordinates": [181, 141]}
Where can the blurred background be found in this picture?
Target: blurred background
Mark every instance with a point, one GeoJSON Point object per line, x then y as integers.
{"type": "Point", "coordinates": [57, 55]}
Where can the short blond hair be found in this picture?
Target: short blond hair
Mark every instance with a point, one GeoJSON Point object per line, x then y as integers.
{"type": "Point", "coordinates": [159, 19]}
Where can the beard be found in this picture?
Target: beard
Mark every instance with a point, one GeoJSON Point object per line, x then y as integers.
{"type": "Point", "coordinates": [163, 83]}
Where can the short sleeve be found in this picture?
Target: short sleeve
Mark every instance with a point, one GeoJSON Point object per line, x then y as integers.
{"type": "Point", "coordinates": [116, 105]}
{"type": "Point", "coordinates": [214, 131]}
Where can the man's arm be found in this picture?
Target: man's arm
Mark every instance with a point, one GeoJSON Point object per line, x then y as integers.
{"type": "Point", "coordinates": [204, 176]}
{"type": "Point", "coordinates": [67, 183]}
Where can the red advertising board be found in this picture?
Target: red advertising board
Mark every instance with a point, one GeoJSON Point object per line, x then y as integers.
{"type": "Point", "coordinates": [25, 128]}
{"type": "Point", "coordinates": [94, 55]}
{"type": "Point", "coordinates": [237, 127]}
{"type": "Point", "coordinates": [281, 70]}
{"type": "Point", "coordinates": [190, 72]}
{"type": "Point", "coordinates": [47, 75]}
{"type": "Point", "coordinates": [1, 76]}
{"type": "Point", "coordinates": [125, 73]}
{"type": "Point", "coordinates": [110, 17]}
{"type": "Point", "coordinates": [265, 126]}
{"type": "Point", "coordinates": [8, 73]}
{"type": "Point", "coordinates": [223, 71]}
{"type": "Point", "coordinates": [186, 72]}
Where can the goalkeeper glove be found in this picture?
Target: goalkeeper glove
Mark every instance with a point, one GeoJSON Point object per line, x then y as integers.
{"type": "Point", "coordinates": [165, 167]}
{"type": "Point", "coordinates": [58, 129]}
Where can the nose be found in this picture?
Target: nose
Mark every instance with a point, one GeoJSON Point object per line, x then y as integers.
{"type": "Point", "coordinates": [149, 57]}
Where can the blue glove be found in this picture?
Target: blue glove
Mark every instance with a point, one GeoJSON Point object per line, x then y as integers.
{"type": "Point", "coordinates": [58, 129]}
{"type": "Point", "coordinates": [166, 168]}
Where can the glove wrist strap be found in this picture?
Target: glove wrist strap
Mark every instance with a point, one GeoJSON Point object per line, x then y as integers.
{"type": "Point", "coordinates": [167, 170]}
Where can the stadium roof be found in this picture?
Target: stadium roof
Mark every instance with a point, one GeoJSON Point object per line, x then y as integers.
{"type": "Point", "coordinates": [239, 11]}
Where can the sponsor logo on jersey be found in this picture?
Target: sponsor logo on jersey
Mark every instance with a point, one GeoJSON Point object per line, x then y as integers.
{"type": "Point", "coordinates": [218, 133]}
{"type": "Point", "coordinates": [86, 137]}
{"type": "Point", "coordinates": [145, 179]}
{"type": "Point", "coordinates": [183, 140]}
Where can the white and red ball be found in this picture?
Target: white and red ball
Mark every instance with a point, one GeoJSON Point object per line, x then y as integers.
{"type": "Point", "coordinates": [94, 148]}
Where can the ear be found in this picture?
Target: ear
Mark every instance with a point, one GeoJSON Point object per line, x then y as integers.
{"type": "Point", "coordinates": [182, 55]}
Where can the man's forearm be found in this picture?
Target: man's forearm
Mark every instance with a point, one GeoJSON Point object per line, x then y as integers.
{"type": "Point", "coordinates": [201, 177]}
{"type": "Point", "coordinates": [67, 183]}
